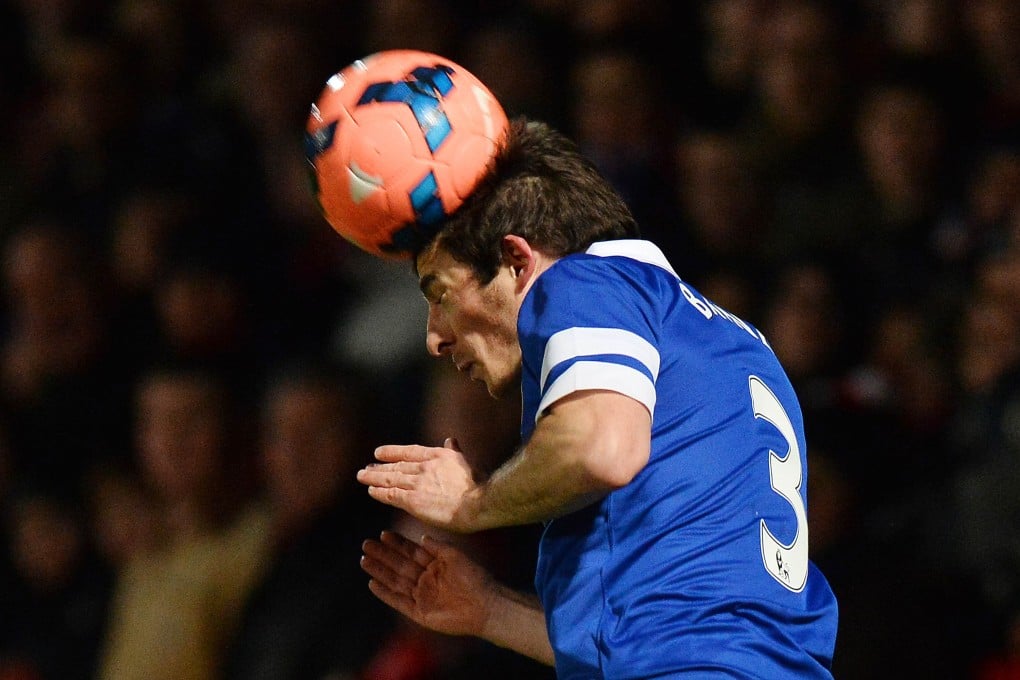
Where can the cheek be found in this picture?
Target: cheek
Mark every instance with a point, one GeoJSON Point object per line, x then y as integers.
{"type": "Point", "coordinates": [485, 321]}
{"type": "Point", "coordinates": [486, 331]}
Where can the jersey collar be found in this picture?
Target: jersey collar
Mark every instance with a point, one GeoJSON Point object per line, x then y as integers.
{"type": "Point", "coordinates": [635, 249]}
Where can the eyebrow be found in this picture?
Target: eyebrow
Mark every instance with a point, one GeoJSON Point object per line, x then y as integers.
{"type": "Point", "coordinates": [426, 283]}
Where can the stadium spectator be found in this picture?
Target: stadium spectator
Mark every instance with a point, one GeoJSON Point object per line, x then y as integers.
{"type": "Point", "coordinates": [175, 606]}
{"type": "Point", "coordinates": [309, 615]}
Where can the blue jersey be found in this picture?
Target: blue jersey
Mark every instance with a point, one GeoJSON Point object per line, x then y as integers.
{"type": "Point", "coordinates": [698, 567]}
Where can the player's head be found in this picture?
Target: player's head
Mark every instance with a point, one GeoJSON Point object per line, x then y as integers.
{"type": "Point", "coordinates": [542, 189]}
{"type": "Point", "coordinates": [540, 201]}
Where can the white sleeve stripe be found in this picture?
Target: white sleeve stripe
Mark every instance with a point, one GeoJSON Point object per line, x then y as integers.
{"type": "Point", "coordinates": [578, 342]}
{"type": "Point", "coordinates": [599, 375]}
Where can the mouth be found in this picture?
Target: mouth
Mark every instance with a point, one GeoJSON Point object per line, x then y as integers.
{"type": "Point", "coordinates": [469, 368]}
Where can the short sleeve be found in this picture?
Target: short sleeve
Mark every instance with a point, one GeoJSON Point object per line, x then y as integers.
{"type": "Point", "coordinates": [586, 325]}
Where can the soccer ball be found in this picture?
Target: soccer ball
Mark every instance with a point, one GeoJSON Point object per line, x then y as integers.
{"type": "Point", "coordinates": [396, 142]}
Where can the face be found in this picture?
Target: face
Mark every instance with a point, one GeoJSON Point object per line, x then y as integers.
{"type": "Point", "coordinates": [180, 435]}
{"type": "Point", "coordinates": [306, 448]}
{"type": "Point", "coordinates": [474, 325]}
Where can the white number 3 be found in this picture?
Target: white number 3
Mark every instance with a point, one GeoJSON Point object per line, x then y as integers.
{"type": "Point", "coordinates": [787, 563]}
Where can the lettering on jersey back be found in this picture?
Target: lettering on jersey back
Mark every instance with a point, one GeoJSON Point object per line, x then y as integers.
{"type": "Point", "coordinates": [710, 309]}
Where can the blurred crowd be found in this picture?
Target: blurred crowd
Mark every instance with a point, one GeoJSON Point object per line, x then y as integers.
{"type": "Point", "coordinates": [192, 364]}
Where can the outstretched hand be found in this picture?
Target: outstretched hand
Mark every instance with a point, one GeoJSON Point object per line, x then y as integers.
{"type": "Point", "coordinates": [434, 484]}
{"type": "Point", "coordinates": [433, 584]}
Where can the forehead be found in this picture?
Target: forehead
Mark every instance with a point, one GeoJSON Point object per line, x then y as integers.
{"type": "Point", "coordinates": [167, 391]}
{"type": "Point", "coordinates": [305, 399]}
{"type": "Point", "coordinates": [437, 267]}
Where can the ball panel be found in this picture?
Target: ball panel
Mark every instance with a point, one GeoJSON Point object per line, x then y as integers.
{"type": "Point", "coordinates": [381, 145]}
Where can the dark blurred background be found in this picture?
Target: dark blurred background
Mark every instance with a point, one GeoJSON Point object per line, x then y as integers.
{"type": "Point", "coordinates": [192, 363]}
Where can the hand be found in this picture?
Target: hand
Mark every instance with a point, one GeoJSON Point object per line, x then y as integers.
{"type": "Point", "coordinates": [434, 484]}
{"type": "Point", "coordinates": [433, 584]}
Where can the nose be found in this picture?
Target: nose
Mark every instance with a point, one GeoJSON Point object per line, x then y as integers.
{"type": "Point", "coordinates": [438, 336]}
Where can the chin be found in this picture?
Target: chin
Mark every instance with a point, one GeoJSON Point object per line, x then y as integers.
{"type": "Point", "coordinates": [507, 387]}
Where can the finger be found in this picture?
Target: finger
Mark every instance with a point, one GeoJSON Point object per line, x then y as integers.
{"type": "Point", "coordinates": [399, 576]}
{"type": "Point", "coordinates": [397, 497]}
{"type": "Point", "coordinates": [435, 548]}
{"type": "Point", "coordinates": [393, 454]}
{"type": "Point", "coordinates": [396, 560]}
{"type": "Point", "coordinates": [393, 556]}
{"type": "Point", "coordinates": [452, 443]}
{"type": "Point", "coordinates": [398, 475]}
{"type": "Point", "coordinates": [419, 554]}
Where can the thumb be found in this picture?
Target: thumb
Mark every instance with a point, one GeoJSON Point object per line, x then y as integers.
{"type": "Point", "coordinates": [452, 443]}
{"type": "Point", "coordinates": [432, 545]}
{"type": "Point", "coordinates": [436, 547]}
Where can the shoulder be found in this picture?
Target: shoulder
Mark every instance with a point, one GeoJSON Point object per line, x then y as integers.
{"type": "Point", "coordinates": [577, 267]}
{"type": "Point", "coordinates": [570, 290]}
{"type": "Point", "coordinates": [600, 280]}
{"type": "Point", "coordinates": [596, 302]}
{"type": "Point", "coordinates": [623, 263]}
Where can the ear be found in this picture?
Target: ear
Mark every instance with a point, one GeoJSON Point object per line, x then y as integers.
{"type": "Point", "coordinates": [520, 258]}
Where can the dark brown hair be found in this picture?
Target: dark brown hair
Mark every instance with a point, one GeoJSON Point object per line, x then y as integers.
{"type": "Point", "coordinates": [540, 188]}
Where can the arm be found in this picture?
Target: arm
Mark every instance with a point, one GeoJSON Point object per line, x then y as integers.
{"type": "Point", "coordinates": [437, 586]}
{"type": "Point", "coordinates": [517, 622]}
{"type": "Point", "coordinates": [587, 444]}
